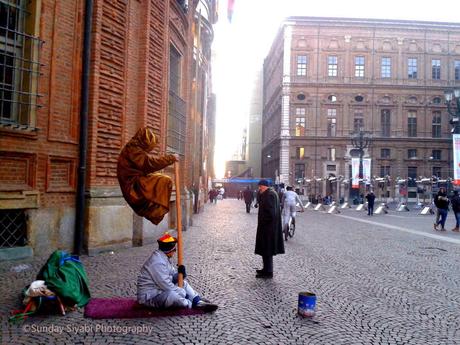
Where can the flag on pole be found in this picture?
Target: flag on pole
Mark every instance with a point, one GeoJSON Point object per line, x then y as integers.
{"type": "Point", "coordinates": [230, 5]}
{"type": "Point", "coordinates": [367, 169]}
{"type": "Point", "coordinates": [456, 144]}
{"type": "Point", "coordinates": [355, 173]}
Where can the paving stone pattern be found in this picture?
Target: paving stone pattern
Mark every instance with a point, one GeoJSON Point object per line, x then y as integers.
{"type": "Point", "coordinates": [374, 285]}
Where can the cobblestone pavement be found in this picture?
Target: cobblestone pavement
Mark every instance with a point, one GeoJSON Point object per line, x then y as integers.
{"type": "Point", "coordinates": [375, 282]}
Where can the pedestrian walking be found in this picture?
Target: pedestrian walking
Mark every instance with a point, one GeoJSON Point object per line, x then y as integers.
{"type": "Point", "coordinates": [370, 197]}
{"type": "Point", "coordinates": [211, 195]}
{"type": "Point", "coordinates": [442, 203]}
{"type": "Point", "coordinates": [455, 201]}
{"type": "Point", "coordinates": [248, 197]}
{"type": "Point", "coordinates": [269, 236]}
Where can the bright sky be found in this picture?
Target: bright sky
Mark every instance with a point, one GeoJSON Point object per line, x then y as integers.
{"type": "Point", "coordinates": [241, 46]}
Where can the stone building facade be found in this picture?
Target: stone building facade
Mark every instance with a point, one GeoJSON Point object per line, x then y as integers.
{"type": "Point", "coordinates": [142, 71]}
{"type": "Point", "coordinates": [325, 78]}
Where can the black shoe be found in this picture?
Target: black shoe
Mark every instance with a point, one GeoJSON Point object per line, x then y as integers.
{"type": "Point", "coordinates": [207, 307]}
{"type": "Point", "coordinates": [264, 275]}
{"type": "Point", "coordinates": [260, 271]}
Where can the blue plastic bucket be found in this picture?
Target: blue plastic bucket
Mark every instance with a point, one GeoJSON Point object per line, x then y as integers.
{"type": "Point", "coordinates": [307, 304]}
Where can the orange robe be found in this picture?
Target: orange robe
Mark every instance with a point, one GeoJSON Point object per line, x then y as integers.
{"type": "Point", "coordinates": [146, 191]}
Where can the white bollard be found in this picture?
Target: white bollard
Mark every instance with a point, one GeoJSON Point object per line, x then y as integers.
{"type": "Point", "coordinates": [333, 209]}
{"type": "Point", "coordinates": [319, 207]}
{"type": "Point", "coordinates": [381, 208]}
{"type": "Point", "coordinates": [402, 207]}
{"type": "Point", "coordinates": [427, 210]}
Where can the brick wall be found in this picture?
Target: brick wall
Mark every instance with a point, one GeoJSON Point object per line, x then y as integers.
{"type": "Point", "coordinates": [128, 89]}
{"type": "Point", "coordinates": [25, 155]}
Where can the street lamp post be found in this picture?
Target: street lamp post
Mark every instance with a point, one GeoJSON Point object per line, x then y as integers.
{"type": "Point", "coordinates": [360, 140]}
{"type": "Point", "coordinates": [455, 113]}
{"type": "Point", "coordinates": [453, 96]}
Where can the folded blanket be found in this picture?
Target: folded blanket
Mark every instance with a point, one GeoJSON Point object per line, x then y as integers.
{"type": "Point", "coordinates": [128, 308]}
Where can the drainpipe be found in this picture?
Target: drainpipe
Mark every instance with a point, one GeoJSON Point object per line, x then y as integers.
{"type": "Point", "coordinates": [80, 197]}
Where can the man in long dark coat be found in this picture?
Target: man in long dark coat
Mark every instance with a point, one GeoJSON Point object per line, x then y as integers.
{"type": "Point", "coordinates": [269, 237]}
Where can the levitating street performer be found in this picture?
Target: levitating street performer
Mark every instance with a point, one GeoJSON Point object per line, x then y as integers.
{"type": "Point", "coordinates": [157, 282]}
{"type": "Point", "coordinates": [146, 191]}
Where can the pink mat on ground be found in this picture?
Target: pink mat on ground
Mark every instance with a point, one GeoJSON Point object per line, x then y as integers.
{"type": "Point", "coordinates": [128, 308]}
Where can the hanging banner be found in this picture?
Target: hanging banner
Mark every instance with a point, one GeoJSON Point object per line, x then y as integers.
{"type": "Point", "coordinates": [456, 143]}
{"type": "Point", "coordinates": [355, 173]}
{"type": "Point", "coordinates": [367, 169]}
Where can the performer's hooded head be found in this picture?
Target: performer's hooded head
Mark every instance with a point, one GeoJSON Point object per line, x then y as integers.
{"type": "Point", "coordinates": [145, 139]}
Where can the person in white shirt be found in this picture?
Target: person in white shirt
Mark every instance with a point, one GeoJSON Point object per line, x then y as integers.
{"type": "Point", "coordinates": [289, 202]}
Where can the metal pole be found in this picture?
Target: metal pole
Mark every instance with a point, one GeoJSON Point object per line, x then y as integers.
{"type": "Point", "coordinates": [180, 277]}
{"type": "Point", "coordinates": [80, 205]}
{"type": "Point", "coordinates": [361, 154]}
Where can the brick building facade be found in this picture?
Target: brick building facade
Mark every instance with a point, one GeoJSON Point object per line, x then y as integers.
{"type": "Point", "coordinates": [142, 72]}
{"type": "Point", "coordinates": [325, 78]}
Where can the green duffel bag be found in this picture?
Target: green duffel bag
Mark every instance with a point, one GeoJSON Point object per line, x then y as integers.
{"type": "Point", "coordinates": [65, 275]}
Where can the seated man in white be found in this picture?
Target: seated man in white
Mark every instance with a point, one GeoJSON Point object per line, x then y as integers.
{"type": "Point", "coordinates": [157, 282]}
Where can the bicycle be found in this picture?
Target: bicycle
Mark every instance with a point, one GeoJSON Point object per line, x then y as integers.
{"type": "Point", "coordinates": [289, 227]}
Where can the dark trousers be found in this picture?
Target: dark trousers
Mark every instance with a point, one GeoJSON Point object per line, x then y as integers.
{"type": "Point", "coordinates": [268, 263]}
{"type": "Point", "coordinates": [443, 214]}
{"type": "Point", "coordinates": [370, 209]}
{"type": "Point", "coordinates": [457, 219]}
{"type": "Point", "coordinates": [248, 207]}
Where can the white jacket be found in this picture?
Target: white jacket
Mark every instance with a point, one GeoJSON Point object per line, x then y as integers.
{"type": "Point", "coordinates": [291, 198]}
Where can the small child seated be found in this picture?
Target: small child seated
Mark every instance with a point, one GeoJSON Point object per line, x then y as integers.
{"type": "Point", "coordinates": [157, 283]}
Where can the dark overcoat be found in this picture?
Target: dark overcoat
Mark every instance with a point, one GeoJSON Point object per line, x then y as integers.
{"type": "Point", "coordinates": [269, 237]}
{"type": "Point", "coordinates": [370, 199]}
